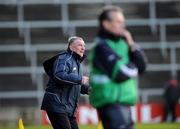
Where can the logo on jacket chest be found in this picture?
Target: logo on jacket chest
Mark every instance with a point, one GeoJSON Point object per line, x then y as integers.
{"type": "Point", "coordinates": [74, 68]}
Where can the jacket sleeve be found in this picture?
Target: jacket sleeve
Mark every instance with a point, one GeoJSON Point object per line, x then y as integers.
{"type": "Point", "coordinates": [63, 74]}
{"type": "Point", "coordinates": [85, 89]}
{"type": "Point", "coordinates": [112, 64]}
{"type": "Point", "coordinates": [138, 57]}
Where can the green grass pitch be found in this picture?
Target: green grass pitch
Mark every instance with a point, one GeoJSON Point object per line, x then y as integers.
{"type": "Point", "coordinates": [137, 126]}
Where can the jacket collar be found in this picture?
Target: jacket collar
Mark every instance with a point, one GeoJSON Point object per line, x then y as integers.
{"type": "Point", "coordinates": [103, 33]}
{"type": "Point", "coordinates": [76, 56]}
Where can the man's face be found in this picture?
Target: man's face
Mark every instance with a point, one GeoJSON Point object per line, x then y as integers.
{"type": "Point", "coordinates": [78, 46]}
{"type": "Point", "coordinates": [117, 23]}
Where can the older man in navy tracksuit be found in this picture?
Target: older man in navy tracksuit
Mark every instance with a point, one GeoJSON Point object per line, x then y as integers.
{"type": "Point", "coordinates": [66, 82]}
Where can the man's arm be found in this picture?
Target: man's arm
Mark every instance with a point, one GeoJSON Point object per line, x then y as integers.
{"type": "Point", "coordinates": [138, 57]}
{"type": "Point", "coordinates": [110, 63]}
{"type": "Point", "coordinates": [62, 72]}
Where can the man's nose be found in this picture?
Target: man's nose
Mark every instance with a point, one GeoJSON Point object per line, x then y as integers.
{"type": "Point", "coordinates": [83, 48]}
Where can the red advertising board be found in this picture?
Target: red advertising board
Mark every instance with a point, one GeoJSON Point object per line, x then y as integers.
{"type": "Point", "coordinates": [141, 113]}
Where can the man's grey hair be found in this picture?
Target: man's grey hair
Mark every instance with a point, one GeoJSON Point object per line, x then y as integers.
{"type": "Point", "coordinates": [72, 39]}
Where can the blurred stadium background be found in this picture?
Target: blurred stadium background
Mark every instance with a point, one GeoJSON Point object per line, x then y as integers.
{"type": "Point", "coordinates": [34, 30]}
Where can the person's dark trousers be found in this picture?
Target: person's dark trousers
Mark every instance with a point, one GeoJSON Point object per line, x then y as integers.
{"type": "Point", "coordinates": [62, 121]}
{"type": "Point", "coordinates": [170, 112]}
{"type": "Point", "coordinates": [116, 116]}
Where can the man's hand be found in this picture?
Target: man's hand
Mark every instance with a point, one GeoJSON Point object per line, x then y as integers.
{"type": "Point", "coordinates": [125, 33]}
{"type": "Point", "coordinates": [85, 80]}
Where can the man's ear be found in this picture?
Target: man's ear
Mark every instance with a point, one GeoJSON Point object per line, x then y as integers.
{"type": "Point", "coordinates": [71, 47]}
{"type": "Point", "coordinates": [105, 23]}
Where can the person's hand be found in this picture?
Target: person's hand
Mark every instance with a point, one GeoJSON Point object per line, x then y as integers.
{"type": "Point", "coordinates": [85, 80]}
{"type": "Point", "coordinates": [125, 33]}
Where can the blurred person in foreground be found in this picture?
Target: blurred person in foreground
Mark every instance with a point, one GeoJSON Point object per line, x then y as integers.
{"type": "Point", "coordinates": [171, 94]}
{"type": "Point", "coordinates": [66, 82]}
{"type": "Point", "coordinates": [116, 60]}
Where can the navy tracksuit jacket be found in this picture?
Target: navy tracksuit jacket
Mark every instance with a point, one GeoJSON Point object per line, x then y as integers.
{"type": "Point", "coordinates": [64, 86]}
